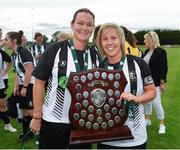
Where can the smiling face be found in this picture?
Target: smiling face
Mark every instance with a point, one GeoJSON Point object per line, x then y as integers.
{"type": "Point", "coordinates": [111, 44]}
{"type": "Point", "coordinates": [82, 26]}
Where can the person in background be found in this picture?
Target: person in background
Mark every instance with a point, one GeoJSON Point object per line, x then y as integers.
{"type": "Point", "coordinates": [94, 43]}
{"type": "Point", "coordinates": [63, 36]}
{"type": "Point", "coordinates": [4, 58]}
{"type": "Point", "coordinates": [110, 41]}
{"type": "Point", "coordinates": [95, 34]}
{"type": "Point", "coordinates": [38, 47]}
{"type": "Point", "coordinates": [136, 42]}
{"type": "Point", "coordinates": [23, 63]}
{"type": "Point", "coordinates": [51, 117]}
{"type": "Point", "coordinates": [130, 43]}
{"type": "Point", "coordinates": [156, 58]}
{"type": "Point", "coordinates": [24, 41]}
{"type": "Point", "coordinates": [4, 65]}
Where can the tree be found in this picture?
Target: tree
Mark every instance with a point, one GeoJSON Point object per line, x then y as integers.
{"type": "Point", "coordinates": [167, 37]}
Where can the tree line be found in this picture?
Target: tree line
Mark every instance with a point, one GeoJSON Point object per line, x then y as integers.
{"type": "Point", "coordinates": [167, 37]}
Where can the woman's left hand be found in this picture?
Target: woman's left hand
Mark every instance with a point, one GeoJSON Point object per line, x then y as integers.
{"type": "Point", "coordinates": [163, 87]}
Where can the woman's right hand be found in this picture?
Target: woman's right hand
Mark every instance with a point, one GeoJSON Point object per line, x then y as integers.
{"type": "Point", "coordinates": [35, 125]}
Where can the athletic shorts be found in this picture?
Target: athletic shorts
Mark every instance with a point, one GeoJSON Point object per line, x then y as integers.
{"type": "Point", "coordinates": [54, 135]}
{"type": "Point", "coordinates": [26, 102]}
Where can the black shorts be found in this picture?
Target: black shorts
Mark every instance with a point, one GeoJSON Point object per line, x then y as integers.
{"type": "Point", "coordinates": [26, 102]}
{"type": "Point", "coordinates": [6, 83]}
{"type": "Point", "coordinates": [3, 93]}
{"type": "Point", "coordinates": [54, 135]}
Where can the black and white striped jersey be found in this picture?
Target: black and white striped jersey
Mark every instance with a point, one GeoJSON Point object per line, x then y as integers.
{"type": "Point", "coordinates": [57, 61]}
{"type": "Point", "coordinates": [4, 66]}
{"type": "Point", "coordinates": [137, 122]}
{"type": "Point", "coordinates": [4, 57]}
{"type": "Point", "coordinates": [21, 57]}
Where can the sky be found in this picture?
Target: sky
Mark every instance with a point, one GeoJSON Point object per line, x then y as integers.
{"type": "Point", "coordinates": [49, 16]}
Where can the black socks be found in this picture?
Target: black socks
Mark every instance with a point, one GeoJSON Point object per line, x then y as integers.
{"type": "Point", "coordinates": [4, 116]}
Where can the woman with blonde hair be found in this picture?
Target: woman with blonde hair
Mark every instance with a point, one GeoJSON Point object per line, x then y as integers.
{"type": "Point", "coordinates": [139, 89]}
{"type": "Point", "coordinates": [63, 36]}
{"type": "Point", "coordinates": [156, 58]}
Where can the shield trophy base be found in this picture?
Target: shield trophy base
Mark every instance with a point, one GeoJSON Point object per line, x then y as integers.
{"type": "Point", "coordinates": [84, 137]}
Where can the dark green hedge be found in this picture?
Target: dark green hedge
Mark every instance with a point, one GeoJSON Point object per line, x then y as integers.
{"type": "Point", "coordinates": [167, 37]}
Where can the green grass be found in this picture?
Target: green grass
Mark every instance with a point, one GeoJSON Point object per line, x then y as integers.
{"type": "Point", "coordinates": [170, 100]}
{"type": "Point", "coordinates": [171, 103]}
{"type": "Point", "coordinates": [10, 140]}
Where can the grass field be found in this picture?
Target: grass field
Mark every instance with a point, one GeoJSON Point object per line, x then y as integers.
{"type": "Point", "coordinates": [171, 103]}
{"type": "Point", "coordinates": [170, 100]}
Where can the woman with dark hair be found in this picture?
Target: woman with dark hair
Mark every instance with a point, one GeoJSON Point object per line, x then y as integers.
{"type": "Point", "coordinates": [51, 118]}
{"type": "Point", "coordinates": [130, 43]}
{"type": "Point", "coordinates": [23, 64]}
{"type": "Point", "coordinates": [38, 47]}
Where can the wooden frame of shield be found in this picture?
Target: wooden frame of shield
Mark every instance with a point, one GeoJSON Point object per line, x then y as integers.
{"type": "Point", "coordinates": [96, 112]}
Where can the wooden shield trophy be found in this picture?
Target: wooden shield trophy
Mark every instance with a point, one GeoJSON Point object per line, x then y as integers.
{"type": "Point", "coordinates": [96, 113]}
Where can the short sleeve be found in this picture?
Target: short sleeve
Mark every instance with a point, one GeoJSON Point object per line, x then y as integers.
{"type": "Point", "coordinates": [26, 56]}
{"type": "Point", "coordinates": [146, 73]}
{"type": "Point", "coordinates": [5, 56]}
